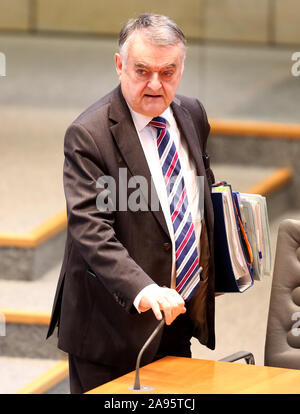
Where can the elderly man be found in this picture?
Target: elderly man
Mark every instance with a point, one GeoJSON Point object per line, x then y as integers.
{"type": "Point", "coordinates": [125, 267]}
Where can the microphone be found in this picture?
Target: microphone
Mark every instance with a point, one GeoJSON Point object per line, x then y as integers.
{"type": "Point", "coordinates": [137, 386]}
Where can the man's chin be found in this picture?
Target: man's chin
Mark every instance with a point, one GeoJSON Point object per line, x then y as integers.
{"type": "Point", "coordinates": [154, 107]}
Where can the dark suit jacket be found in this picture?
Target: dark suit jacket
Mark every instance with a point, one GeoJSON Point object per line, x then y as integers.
{"type": "Point", "coordinates": [110, 256]}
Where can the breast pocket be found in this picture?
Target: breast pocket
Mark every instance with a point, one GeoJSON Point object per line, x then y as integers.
{"type": "Point", "coordinates": [91, 273]}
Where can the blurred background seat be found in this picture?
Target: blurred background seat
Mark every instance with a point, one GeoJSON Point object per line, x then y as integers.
{"type": "Point", "coordinates": [282, 348]}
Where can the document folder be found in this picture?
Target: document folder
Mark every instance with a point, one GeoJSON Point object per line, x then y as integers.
{"type": "Point", "coordinates": [233, 260]}
{"type": "Point", "coordinates": [256, 222]}
{"type": "Point", "coordinates": [241, 237]}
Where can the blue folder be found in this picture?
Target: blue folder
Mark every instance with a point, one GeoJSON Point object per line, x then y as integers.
{"type": "Point", "coordinates": [233, 266]}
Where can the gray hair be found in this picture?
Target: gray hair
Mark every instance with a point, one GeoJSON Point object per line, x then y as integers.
{"type": "Point", "coordinates": [159, 30]}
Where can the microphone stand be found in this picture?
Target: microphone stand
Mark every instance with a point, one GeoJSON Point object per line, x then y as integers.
{"type": "Point", "coordinates": [137, 386]}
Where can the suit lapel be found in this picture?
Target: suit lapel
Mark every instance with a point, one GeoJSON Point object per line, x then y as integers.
{"type": "Point", "coordinates": [188, 131]}
{"type": "Point", "coordinates": [128, 142]}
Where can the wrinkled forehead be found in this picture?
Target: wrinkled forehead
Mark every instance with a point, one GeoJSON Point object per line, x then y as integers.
{"type": "Point", "coordinates": [143, 53]}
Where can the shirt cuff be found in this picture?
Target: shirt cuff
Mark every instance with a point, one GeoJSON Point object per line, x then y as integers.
{"type": "Point", "coordinates": [139, 296]}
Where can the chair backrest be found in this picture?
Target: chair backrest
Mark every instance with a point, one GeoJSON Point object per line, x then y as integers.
{"type": "Point", "coordinates": [282, 347]}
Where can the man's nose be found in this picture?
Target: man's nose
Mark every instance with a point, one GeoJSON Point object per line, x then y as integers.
{"type": "Point", "coordinates": [154, 82]}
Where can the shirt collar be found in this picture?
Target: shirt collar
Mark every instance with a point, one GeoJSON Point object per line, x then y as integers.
{"type": "Point", "coordinates": [141, 121]}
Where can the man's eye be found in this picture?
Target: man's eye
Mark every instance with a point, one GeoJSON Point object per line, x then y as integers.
{"type": "Point", "coordinates": [168, 73]}
{"type": "Point", "coordinates": [141, 72]}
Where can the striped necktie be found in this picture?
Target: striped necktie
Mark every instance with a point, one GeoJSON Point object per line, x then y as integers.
{"type": "Point", "coordinates": [186, 254]}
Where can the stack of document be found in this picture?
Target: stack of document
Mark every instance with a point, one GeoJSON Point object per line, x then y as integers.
{"type": "Point", "coordinates": [255, 217]}
{"type": "Point", "coordinates": [242, 239]}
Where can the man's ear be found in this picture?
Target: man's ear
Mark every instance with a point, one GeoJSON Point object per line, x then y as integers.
{"type": "Point", "coordinates": [118, 64]}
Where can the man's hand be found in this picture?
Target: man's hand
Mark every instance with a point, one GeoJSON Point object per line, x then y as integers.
{"type": "Point", "coordinates": [162, 299]}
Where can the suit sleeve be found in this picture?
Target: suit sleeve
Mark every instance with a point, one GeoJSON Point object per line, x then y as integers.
{"type": "Point", "coordinates": [92, 230]}
{"type": "Point", "coordinates": [204, 133]}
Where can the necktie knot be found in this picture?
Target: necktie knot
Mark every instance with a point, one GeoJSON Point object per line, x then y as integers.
{"type": "Point", "coordinates": [158, 122]}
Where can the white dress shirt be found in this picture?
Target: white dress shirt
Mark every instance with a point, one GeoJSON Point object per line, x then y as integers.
{"type": "Point", "coordinates": [147, 135]}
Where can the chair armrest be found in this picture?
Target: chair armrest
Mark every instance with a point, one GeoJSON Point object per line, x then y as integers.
{"type": "Point", "coordinates": [249, 358]}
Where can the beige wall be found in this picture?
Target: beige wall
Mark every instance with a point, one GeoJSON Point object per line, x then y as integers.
{"type": "Point", "coordinates": [14, 14]}
{"type": "Point", "coordinates": [287, 21]}
{"type": "Point", "coordinates": [244, 20]}
{"type": "Point", "coordinates": [107, 16]}
{"type": "Point", "coordinates": [260, 21]}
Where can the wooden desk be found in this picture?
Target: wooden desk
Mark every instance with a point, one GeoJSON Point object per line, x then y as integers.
{"type": "Point", "coordinates": [173, 375]}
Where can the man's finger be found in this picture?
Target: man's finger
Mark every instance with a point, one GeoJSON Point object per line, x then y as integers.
{"type": "Point", "coordinates": [171, 307]}
{"type": "Point", "coordinates": [167, 308]}
{"type": "Point", "coordinates": [156, 310]}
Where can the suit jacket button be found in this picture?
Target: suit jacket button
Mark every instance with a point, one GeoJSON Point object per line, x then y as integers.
{"type": "Point", "coordinates": [167, 246]}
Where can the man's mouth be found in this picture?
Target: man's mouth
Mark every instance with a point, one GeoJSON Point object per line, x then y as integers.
{"type": "Point", "coordinates": [152, 96]}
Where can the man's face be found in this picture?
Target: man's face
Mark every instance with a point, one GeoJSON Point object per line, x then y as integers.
{"type": "Point", "coordinates": [151, 75]}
